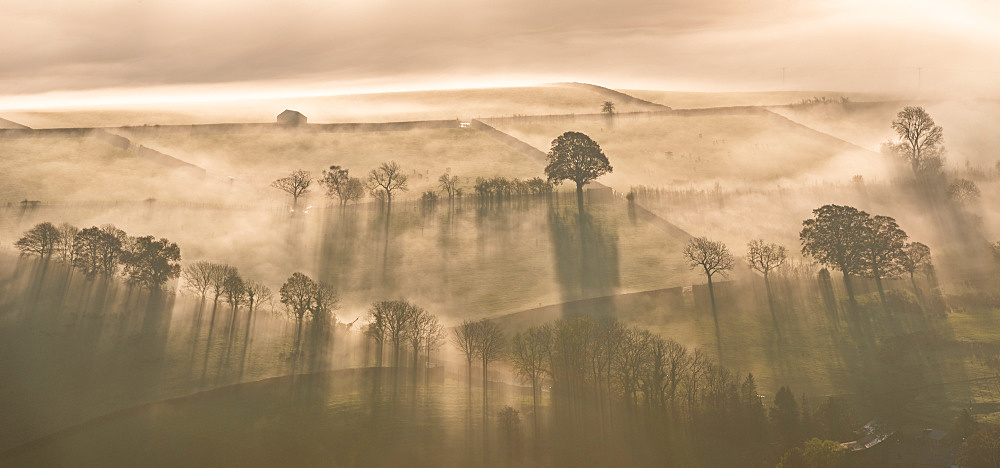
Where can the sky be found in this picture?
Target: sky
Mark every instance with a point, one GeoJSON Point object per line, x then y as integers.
{"type": "Point", "coordinates": [106, 49]}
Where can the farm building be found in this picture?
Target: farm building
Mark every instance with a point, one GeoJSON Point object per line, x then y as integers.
{"type": "Point", "coordinates": [291, 118]}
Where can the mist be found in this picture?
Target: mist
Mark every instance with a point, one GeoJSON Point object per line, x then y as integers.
{"type": "Point", "coordinates": [499, 234]}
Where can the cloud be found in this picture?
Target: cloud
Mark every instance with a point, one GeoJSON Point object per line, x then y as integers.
{"type": "Point", "coordinates": [65, 45]}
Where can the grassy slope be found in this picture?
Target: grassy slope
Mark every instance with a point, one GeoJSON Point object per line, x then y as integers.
{"type": "Point", "coordinates": [969, 126]}
{"type": "Point", "coordinates": [663, 149]}
{"type": "Point", "coordinates": [380, 107]}
{"type": "Point", "coordinates": [78, 169]}
{"type": "Point", "coordinates": [424, 154]}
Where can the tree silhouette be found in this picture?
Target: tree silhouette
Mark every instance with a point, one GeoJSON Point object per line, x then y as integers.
{"type": "Point", "coordinates": [835, 238]}
{"type": "Point", "coordinates": [882, 246]}
{"type": "Point", "coordinates": [295, 184]}
{"type": "Point", "coordinates": [433, 338]}
{"type": "Point", "coordinates": [340, 184]}
{"type": "Point", "coordinates": [386, 179]}
{"type": "Point", "coordinates": [490, 346]}
{"type": "Point", "coordinates": [235, 290]}
{"type": "Point", "coordinates": [915, 257]}
{"type": "Point", "coordinates": [257, 293]}
{"type": "Point", "coordinates": [150, 262]}
{"type": "Point", "coordinates": [764, 258]}
{"type": "Point", "coordinates": [394, 318]}
{"type": "Point", "coordinates": [785, 416]}
{"type": "Point", "coordinates": [297, 295]}
{"type": "Point", "coordinates": [574, 156]}
{"type": "Point", "coordinates": [713, 257]}
{"type": "Point", "coordinates": [919, 139]}
{"type": "Point", "coordinates": [449, 184]}
{"type": "Point", "coordinates": [608, 108]}
{"type": "Point", "coordinates": [528, 354]}
{"type": "Point", "coordinates": [198, 277]}
{"type": "Point", "coordinates": [43, 239]}
{"type": "Point", "coordinates": [219, 274]}
{"type": "Point", "coordinates": [67, 236]}
{"type": "Point", "coordinates": [963, 191]}
{"type": "Point", "coordinates": [464, 338]}
{"type": "Point", "coordinates": [97, 250]}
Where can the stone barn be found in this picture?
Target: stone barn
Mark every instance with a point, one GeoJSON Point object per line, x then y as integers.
{"type": "Point", "coordinates": [291, 118]}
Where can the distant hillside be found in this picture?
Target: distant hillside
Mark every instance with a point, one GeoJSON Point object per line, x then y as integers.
{"type": "Point", "coordinates": [700, 100]}
{"type": "Point", "coordinates": [970, 126]}
{"type": "Point", "coordinates": [731, 145]}
{"type": "Point", "coordinates": [380, 107]}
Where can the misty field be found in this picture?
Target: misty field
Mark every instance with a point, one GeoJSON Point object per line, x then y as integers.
{"type": "Point", "coordinates": [700, 148]}
{"type": "Point", "coordinates": [143, 362]}
{"type": "Point", "coordinates": [79, 169]}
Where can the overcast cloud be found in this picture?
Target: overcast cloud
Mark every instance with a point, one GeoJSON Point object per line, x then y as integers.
{"type": "Point", "coordinates": [692, 45]}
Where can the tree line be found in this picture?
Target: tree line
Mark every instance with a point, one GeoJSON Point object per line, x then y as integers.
{"type": "Point", "coordinates": [105, 251]}
{"type": "Point", "coordinates": [840, 237]}
{"type": "Point", "coordinates": [574, 156]}
{"type": "Point", "coordinates": [220, 280]}
{"type": "Point", "coordinates": [631, 377]}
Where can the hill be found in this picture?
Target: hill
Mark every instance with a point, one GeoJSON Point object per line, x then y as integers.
{"type": "Point", "coordinates": [727, 145]}
{"type": "Point", "coordinates": [374, 107]}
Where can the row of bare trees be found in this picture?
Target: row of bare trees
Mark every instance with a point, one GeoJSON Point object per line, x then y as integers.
{"type": "Point", "coordinates": [602, 366]}
{"type": "Point", "coordinates": [381, 183]}
{"type": "Point", "coordinates": [105, 251]}
{"type": "Point", "coordinates": [482, 341]}
{"type": "Point", "coordinates": [403, 326]}
{"type": "Point", "coordinates": [219, 280]}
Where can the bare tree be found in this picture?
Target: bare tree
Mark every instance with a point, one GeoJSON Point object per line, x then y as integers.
{"type": "Point", "coordinates": [198, 277]}
{"type": "Point", "coordinates": [963, 191]}
{"type": "Point", "coordinates": [464, 338]}
{"type": "Point", "coordinates": [490, 347]}
{"type": "Point", "coordinates": [449, 183]}
{"type": "Point", "coordinates": [919, 138]}
{"type": "Point", "coordinates": [434, 337]}
{"type": "Point", "coordinates": [376, 328]}
{"type": "Point", "coordinates": [386, 179]}
{"type": "Point", "coordinates": [41, 240]}
{"type": "Point", "coordinates": [235, 290]}
{"type": "Point", "coordinates": [416, 332]}
{"type": "Point", "coordinates": [217, 279]}
{"type": "Point", "coordinates": [393, 318]}
{"type": "Point", "coordinates": [324, 302]}
{"type": "Point", "coordinates": [296, 185]}
{"type": "Point", "coordinates": [528, 355]}
{"type": "Point", "coordinates": [713, 257]}
{"type": "Point", "coordinates": [765, 257]}
{"type": "Point", "coordinates": [67, 236]}
{"type": "Point", "coordinates": [257, 293]}
{"type": "Point", "coordinates": [608, 108]}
